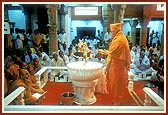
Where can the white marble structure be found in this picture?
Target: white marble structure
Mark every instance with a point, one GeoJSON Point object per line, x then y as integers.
{"type": "Point", "coordinates": [84, 77]}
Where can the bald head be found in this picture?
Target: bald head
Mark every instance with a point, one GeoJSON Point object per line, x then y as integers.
{"type": "Point", "coordinates": [24, 74]}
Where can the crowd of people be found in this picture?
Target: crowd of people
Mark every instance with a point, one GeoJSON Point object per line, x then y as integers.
{"type": "Point", "coordinates": [28, 55]}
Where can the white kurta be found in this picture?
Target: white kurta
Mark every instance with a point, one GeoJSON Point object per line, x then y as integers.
{"type": "Point", "coordinates": [143, 67]}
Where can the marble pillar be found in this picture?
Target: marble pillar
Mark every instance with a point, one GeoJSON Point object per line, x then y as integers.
{"type": "Point", "coordinates": [107, 13]}
{"type": "Point", "coordinates": [119, 13]}
{"type": "Point", "coordinates": [63, 22]}
{"type": "Point", "coordinates": [133, 24]}
{"type": "Point", "coordinates": [53, 37]}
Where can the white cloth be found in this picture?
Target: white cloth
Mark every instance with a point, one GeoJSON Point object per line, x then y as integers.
{"type": "Point", "coordinates": [66, 59]}
{"type": "Point", "coordinates": [101, 85]}
{"type": "Point", "coordinates": [132, 55]}
{"type": "Point", "coordinates": [59, 62]}
{"type": "Point", "coordinates": [44, 59]}
{"type": "Point", "coordinates": [18, 44]}
{"type": "Point", "coordinates": [30, 43]}
{"type": "Point", "coordinates": [107, 36]}
{"type": "Point", "coordinates": [143, 67]}
{"type": "Point", "coordinates": [154, 40]}
{"type": "Point", "coordinates": [63, 40]}
{"type": "Point", "coordinates": [157, 52]}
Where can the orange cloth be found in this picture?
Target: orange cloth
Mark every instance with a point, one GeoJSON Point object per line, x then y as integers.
{"type": "Point", "coordinates": [115, 27]}
{"type": "Point", "coordinates": [37, 39]}
{"type": "Point", "coordinates": [117, 67]}
{"type": "Point", "coordinates": [12, 70]}
{"type": "Point", "coordinates": [33, 69]}
{"type": "Point", "coordinates": [31, 88]}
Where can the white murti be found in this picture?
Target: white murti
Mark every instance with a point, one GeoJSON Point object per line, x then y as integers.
{"type": "Point", "coordinates": [84, 77]}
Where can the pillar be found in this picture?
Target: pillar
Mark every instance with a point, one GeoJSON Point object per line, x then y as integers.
{"type": "Point", "coordinates": [53, 37]}
{"type": "Point", "coordinates": [143, 33]}
{"type": "Point", "coordinates": [27, 18]}
{"type": "Point", "coordinates": [62, 10]}
{"type": "Point", "coordinates": [133, 24]}
{"type": "Point", "coordinates": [116, 12]}
{"type": "Point", "coordinates": [119, 13]}
{"type": "Point", "coordinates": [63, 22]}
{"type": "Point", "coordinates": [107, 14]}
{"type": "Point", "coordinates": [105, 18]}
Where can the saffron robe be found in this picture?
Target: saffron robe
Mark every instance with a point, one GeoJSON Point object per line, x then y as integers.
{"type": "Point", "coordinates": [118, 65]}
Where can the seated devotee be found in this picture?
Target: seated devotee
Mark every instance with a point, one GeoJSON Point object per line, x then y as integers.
{"type": "Point", "coordinates": [157, 50]}
{"type": "Point", "coordinates": [30, 56]}
{"type": "Point", "coordinates": [56, 61]}
{"type": "Point", "coordinates": [64, 57]}
{"type": "Point", "coordinates": [133, 56]}
{"type": "Point", "coordinates": [44, 59]}
{"type": "Point", "coordinates": [139, 49]}
{"type": "Point", "coordinates": [142, 64]}
{"type": "Point", "coordinates": [70, 54]}
{"type": "Point", "coordinates": [11, 70]}
{"type": "Point", "coordinates": [150, 52]}
{"type": "Point", "coordinates": [23, 65]}
{"type": "Point", "coordinates": [34, 66]}
{"type": "Point", "coordinates": [157, 78]}
{"type": "Point", "coordinates": [154, 61]}
{"type": "Point", "coordinates": [31, 88]}
{"type": "Point", "coordinates": [77, 55]}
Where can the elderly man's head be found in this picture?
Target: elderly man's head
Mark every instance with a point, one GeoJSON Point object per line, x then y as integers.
{"type": "Point", "coordinates": [115, 28]}
{"type": "Point", "coordinates": [24, 74]}
{"type": "Point", "coordinates": [55, 56]}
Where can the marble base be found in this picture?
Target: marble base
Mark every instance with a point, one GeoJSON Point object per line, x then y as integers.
{"type": "Point", "coordinates": [84, 92]}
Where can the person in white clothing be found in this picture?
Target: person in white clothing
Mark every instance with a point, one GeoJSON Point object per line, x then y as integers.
{"type": "Point", "coordinates": [64, 57]}
{"type": "Point", "coordinates": [44, 59]}
{"type": "Point", "coordinates": [133, 56]}
{"type": "Point", "coordinates": [107, 36]}
{"type": "Point", "coordinates": [157, 50]}
{"type": "Point", "coordinates": [18, 42]}
{"type": "Point", "coordinates": [62, 38]}
{"type": "Point", "coordinates": [142, 64]}
{"type": "Point", "coordinates": [56, 62]}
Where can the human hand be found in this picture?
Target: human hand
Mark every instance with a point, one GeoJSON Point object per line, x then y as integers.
{"type": "Point", "coordinates": [101, 51]}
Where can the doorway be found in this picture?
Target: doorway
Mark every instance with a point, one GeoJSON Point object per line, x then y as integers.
{"type": "Point", "coordinates": [86, 31]}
